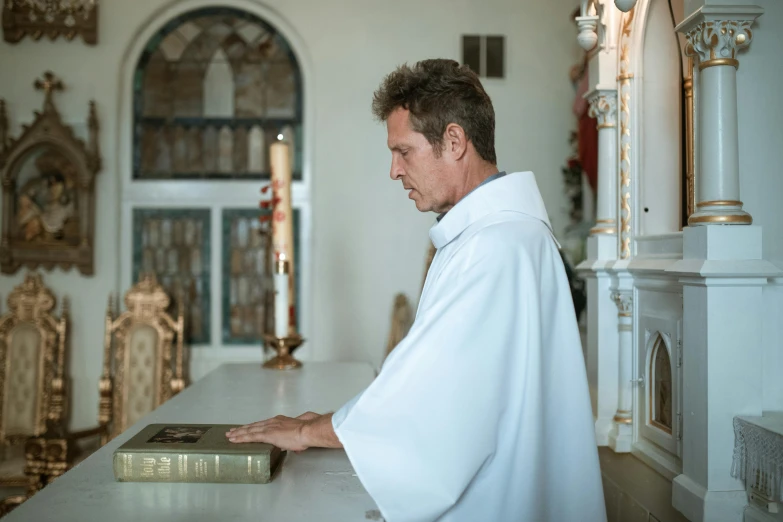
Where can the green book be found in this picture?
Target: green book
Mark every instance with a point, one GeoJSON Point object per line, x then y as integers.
{"type": "Point", "coordinates": [194, 453]}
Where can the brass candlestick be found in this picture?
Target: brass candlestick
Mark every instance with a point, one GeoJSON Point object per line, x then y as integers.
{"type": "Point", "coordinates": [284, 346]}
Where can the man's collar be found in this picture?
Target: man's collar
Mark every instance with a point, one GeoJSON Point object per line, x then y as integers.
{"type": "Point", "coordinates": [516, 192]}
{"type": "Point", "coordinates": [486, 180]}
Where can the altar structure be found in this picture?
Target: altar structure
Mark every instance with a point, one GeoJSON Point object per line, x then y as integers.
{"type": "Point", "coordinates": [684, 269]}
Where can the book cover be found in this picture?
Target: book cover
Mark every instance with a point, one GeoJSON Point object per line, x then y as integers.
{"type": "Point", "coordinates": [194, 453]}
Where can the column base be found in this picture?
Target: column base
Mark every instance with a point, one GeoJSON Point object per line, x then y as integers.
{"type": "Point", "coordinates": [621, 437]}
{"type": "Point", "coordinates": [603, 427]}
{"type": "Point", "coordinates": [700, 505]}
{"type": "Point", "coordinates": [720, 213]}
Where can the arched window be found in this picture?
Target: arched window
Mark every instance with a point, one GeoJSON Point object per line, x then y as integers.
{"type": "Point", "coordinates": [660, 409]}
{"type": "Point", "coordinates": [212, 90]}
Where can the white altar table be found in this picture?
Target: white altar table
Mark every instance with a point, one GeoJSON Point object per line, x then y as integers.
{"type": "Point", "coordinates": [317, 485]}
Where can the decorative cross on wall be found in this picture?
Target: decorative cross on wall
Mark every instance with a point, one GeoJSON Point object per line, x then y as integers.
{"type": "Point", "coordinates": [49, 83]}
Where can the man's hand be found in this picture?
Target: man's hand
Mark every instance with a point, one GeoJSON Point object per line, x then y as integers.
{"type": "Point", "coordinates": [305, 431]}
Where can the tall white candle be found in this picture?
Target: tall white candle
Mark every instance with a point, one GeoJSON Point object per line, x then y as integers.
{"type": "Point", "coordinates": [281, 298]}
{"type": "Point", "coordinates": [282, 214]}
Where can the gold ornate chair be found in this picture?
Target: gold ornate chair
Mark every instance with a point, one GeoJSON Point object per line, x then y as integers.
{"type": "Point", "coordinates": [143, 358]}
{"type": "Point", "coordinates": [32, 391]}
{"type": "Point", "coordinates": [402, 312]}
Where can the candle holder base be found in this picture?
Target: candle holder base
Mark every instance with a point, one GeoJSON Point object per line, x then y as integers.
{"type": "Point", "coordinates": [284, 346]}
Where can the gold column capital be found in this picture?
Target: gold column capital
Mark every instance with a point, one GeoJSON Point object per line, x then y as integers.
{"type": "Point", "coordinates": [603, 107]}
{"type": "Point", "coordinates": [716, 42]}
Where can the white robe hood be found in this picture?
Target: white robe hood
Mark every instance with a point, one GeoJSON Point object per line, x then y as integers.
{"type": "Point", "coordinates": [482, 413]}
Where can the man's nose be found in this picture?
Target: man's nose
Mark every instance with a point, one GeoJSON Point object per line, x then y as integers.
{"type": "Point", "coordinates": [396, 171]}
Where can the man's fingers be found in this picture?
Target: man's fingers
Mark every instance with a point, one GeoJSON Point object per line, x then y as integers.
{"type": "Point", "coordinates": [259, 424]}
{"type": "Point", "coordinates": [256, 436]}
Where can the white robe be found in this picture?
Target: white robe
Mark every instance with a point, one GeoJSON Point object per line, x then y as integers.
{"type": "Point", "coordinates": [482, 413]}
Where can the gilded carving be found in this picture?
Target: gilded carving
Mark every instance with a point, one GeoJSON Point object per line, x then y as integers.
{"type": "Point", "coordinates": [624, 301]}
{"type": "Point", "coordinates": [48, 190]}
{"type": "Point", "coordinates": [50, 18]}
{"type": "Point", "coordinates": [31, 305]}
{"type": "Point", "coordinates": [624, 193]}
{"type": "Point", "coordinates": [717, 42]}
{"type": "Point", "coordinates": [603, 107]}
{"type": "Point", "coordinates": [146, 304]}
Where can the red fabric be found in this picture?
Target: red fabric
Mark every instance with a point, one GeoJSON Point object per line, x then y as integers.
{"type": "Point", "coordinates": [588, 149]}
{"type": "Point", "coordinates": [587, 133]}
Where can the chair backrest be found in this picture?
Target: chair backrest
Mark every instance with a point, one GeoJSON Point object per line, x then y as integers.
{"type": "Point", "coordinates": [402, 311]}
{"type": "Point", "coordinates": [143, 364]}
{"type": "Point", "coordinates": [32, 360]}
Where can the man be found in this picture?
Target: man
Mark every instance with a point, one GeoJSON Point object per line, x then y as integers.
{"type": "Point", "coordinates": [482, 413]}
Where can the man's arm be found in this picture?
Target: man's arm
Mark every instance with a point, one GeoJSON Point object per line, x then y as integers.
{"type": "Point", "coordinates": [309, 430]}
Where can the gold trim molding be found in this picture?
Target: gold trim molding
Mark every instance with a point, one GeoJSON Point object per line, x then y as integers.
{"type": "Point", "coordinates": [603, 230]}
{"type": "Point", "coordinates": [624, 93]}
{"type": "Point", "coordinates": [719, 61]}
{"type": "Point", "coordinates": [690, 140]}
{"type": "Point", "coordinates": [725, 219]}
{"type": "Point", "coordinates": [609, 220]}
{"type": "Point", "coordinates": [623, 420]}
{"type": "Point", "coordinates": [720, 203]}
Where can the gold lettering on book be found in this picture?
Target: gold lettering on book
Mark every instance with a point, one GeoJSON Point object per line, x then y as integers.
{"type": "Point", "coordinates": [202, 469]}
{"type": "Point", "coordinates": [148, 467]}
{"type": "Point", "coordinates": [164, 467]}
{"type": "Point", "coordinates": [217, 466]}
{"type": "Point", "coordinates": [128, 461]}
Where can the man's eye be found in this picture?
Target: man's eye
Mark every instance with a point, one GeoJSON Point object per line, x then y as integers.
{"type": "Point", "coordinates": [404, 153]}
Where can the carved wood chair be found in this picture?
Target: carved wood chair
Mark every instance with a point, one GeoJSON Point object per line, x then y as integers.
{"type": "Point", "coordinates": [402, 311]}
{"type": "Point", "coordinates": [32, 390]}
{"type": "Point", "coordinates": [143, 358]}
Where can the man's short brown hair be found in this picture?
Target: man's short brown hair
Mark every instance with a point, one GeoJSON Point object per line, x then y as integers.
{"type": "Point", "coordinates": [437, 93]}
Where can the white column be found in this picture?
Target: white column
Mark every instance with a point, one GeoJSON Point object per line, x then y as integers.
{"type": "Point", "coordinates": [713, 41]}
{"type": "Point", "coordinates": [723, 274]}
{"type": "Point", "coordinates": [603, 107]}
{"type": "Point", "coordinates": [621, 436]}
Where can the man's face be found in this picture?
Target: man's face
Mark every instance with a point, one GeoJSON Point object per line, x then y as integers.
{"type": "Point", "coordinates": [424, 175]}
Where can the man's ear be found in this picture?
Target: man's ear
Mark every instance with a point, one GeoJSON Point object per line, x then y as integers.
{"type": "Point", "coordinates": [455, 141]}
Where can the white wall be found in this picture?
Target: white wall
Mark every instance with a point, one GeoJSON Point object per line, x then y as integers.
{"type": "Point", "coordinates": [760, 114]}
{"type": "Point", "coordinates": [369, 240]}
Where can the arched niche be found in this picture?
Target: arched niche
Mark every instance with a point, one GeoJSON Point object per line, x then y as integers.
{"type": "Point", "coordinates": [661, 122]}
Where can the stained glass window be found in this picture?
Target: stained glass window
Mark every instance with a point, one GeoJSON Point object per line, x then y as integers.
{"type": "Point", "coordinates": [174, 244]}
{"type": "Point", "coordinates": [248, 293]}
{"type": "Point", "coordinates": [212, 89]}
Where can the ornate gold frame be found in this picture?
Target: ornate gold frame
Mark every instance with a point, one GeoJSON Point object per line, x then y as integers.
{"type": "Point", "coordinates": [146, 304]}
{"type": "Point", "coordinates": [22, 20]}
{"type": "Point", "coordinates": [49, 130]}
